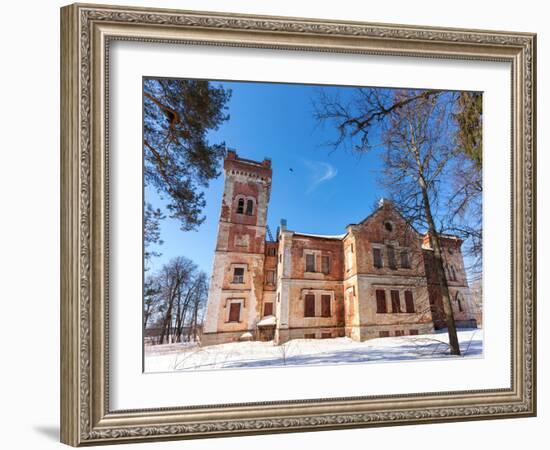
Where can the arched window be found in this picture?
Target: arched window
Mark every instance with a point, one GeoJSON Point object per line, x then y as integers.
{"type": "Point", "coordinates": [459, 301]}
{"type": "Point", "coordinates": [240, 206]}
{"type": "Point", "coordinates": [249, 207]}
{"type": "Point", "coordinates": [453, 273]}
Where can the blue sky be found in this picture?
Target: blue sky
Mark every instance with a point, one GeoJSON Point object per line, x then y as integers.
{"type": "Point", "coordinates": [326, 189]}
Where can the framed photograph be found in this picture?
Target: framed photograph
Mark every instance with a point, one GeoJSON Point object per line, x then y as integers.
{"type": "Point", "coordinates": [276, 224]}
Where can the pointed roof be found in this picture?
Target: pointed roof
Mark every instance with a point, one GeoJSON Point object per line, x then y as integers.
{"type": "Point", "coordinates": [385, 203]}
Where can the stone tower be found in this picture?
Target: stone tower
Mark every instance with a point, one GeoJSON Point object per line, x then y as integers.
{"type": "Point", "coordinates": [236, 286]}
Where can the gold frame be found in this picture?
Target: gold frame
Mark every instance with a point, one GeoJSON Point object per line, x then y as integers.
{"type": "Point", "coordinates": [86, 31]}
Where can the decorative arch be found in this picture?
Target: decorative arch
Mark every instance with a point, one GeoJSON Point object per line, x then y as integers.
{"type": "Point", "coordinates": [250, 204]}
{"type": "Point", "coordinates": [459, 301]}
{"type": "Point", "coordinates": [245, 205]}
{"type": "Point", "coordinates": [239, 200]}
{"type": "Point", "coordinates": [453, 273]}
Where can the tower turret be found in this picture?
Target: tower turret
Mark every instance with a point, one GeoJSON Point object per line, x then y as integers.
{"type": "Point", "coordinates": [236, 285]}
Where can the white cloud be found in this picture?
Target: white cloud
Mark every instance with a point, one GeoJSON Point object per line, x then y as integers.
{"type": "Point", "coordinates": [320, 172]}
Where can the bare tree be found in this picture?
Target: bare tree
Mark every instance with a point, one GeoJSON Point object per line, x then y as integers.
{"type": "Point", "coordinates": [356, 119]}
{"type": "Point", "coordinates": [174, 276]}
{"type": "Point", "coordinates": [414, 129]}
{"type": "Point", "coordinates": [174, 301]}
{"type": "Point", "coordinates": [182, 308]}
{"type": "Point", "coordinates": [151, 298]}
{"type": "Point", "coordinates": [200, 293]}
{"type": "Point", "coordinates": [465, 211]}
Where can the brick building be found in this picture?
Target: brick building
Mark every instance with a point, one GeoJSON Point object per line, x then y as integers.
{"type": "Point", "coordinates": [375, 280]}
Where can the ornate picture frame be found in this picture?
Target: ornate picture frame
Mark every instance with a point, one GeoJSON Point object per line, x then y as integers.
{"type": "Point", "coordinates": [86, 34]}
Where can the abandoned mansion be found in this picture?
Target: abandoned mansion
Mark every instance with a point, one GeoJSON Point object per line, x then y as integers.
{"type": "Point", "coordinates": [375, 280]}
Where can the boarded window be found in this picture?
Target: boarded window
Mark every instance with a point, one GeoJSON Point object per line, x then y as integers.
{"type": "Point", "coordinates": [238, 275]}
{"type": "Point", "coordinates": [391, 257]}
{"type": "Point", "coordinates": [399, 333]}
{"type": "Point", "coordinates": [270, 277]}
{"type": "Point", "coordinates": [271, 251]}
{"type": "Point", "coordinates": [409, 302]}
{"type": "Point", "coordinates": [310, 262]}
{"type": "Point", "coordinates": [377, 257]}
{"type": "Point", "coordinates": [325, 264]}
{"type": "Point", "coordinates": [240, 206]}
{"type": "Point", "coordinates": [384, 334]}
{"type": "Point", "coordinates": [326, 335]}
{"type": "Point", "coordinates": [405, 263]}
{"type": "Point", "coordinates": [234, 312]}
{"type": "Point", "coordinates": [325, 305]}
{"type": "Point", "coordinates": [309, 336]}
{"type": "Point", "coordinates": [381, 301]}
{"type": "Point", "coordinates": [268, 309]}
{"type": "Point", "coordinates": [309, 306]}
{"type": "Point", "coordinates": [413, 332]}
{"type": "Point", "coordinates": [395, 304]}
{"type": "Point", "coordinates": [249, 207]}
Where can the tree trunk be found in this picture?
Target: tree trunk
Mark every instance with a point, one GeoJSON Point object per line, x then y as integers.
{"type": "Point", "coordinates": [438, 263]}
{"type": "Point", "coordinates": [146, 316]}
{"type": "Point", "coordinates": [193, 323]}
{"type": "Point", "coordinates": [183, 314]}
{"type": "Point", "coordinates": [195, 316]}
{"type": "Point", "coordinates": [167, 322]}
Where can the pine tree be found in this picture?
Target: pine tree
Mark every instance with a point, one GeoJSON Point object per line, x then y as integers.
{"type": "Point", "coordinates": [179, 160]}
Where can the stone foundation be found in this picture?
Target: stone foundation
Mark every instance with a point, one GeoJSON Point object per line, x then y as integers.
{"type": "Point", "coordinates": [225, 337]}
{"type": "Point", "coordinates": [470, 323]}
{"type": "Point", "coordinates": [359, 333]}
{"type": "Point", "coordinates": [374, 331]}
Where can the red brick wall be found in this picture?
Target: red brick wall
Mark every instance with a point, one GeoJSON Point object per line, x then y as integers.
{"type": "Point", "coordinates": [325, 247]}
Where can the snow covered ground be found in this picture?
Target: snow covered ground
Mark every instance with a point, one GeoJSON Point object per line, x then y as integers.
{"type": "Point", "coordinates": [174, 357]}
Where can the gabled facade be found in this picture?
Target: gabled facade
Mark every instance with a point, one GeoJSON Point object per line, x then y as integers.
{"type": "Point", "coordinates": [375, 280]}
